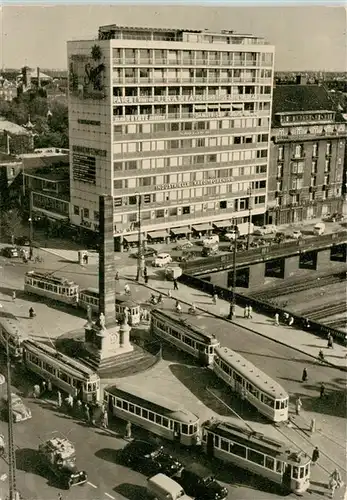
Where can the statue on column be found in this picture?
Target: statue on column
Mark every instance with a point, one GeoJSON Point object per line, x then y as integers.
{"type": "Point", "coordinates": [102, 321]}
{"type": "Point", "coordinates": [126, 315]}
{"type": "Point", "coordinates": [89, 313]}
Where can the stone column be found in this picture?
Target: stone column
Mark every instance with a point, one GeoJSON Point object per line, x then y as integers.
{"type": "Point", "coordinates": [124, 336]}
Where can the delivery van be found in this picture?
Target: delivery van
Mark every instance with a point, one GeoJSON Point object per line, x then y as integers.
{"type": "Point", "coordinates": [319, 229]}
{"type": "Point", "coordinates": [161, 487]}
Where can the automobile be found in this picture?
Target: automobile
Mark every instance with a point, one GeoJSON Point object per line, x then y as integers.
{"type": "Point", "coordinates": [296, 234]}
{"type": "Point", "coordinates": [267, 229]}
{"type": "Point", "coordinates": [10, 252]}
{"type": "Point", "coordinates": [19, 411]}
{"type": "Point", "coordinates": [2, 379]}
{"type": "Point", "coordinates": [184, 244]}
{"type": "Point", "coordinates": [161, 260]}
{"type": "Point", "coordinates": [199, 482]}
{"type": "Point", "coordinates": [149, 458]}
{"type": "Point", "coordinates": [146, 253]}
{"type": "Point", "coordinates": [210, 240]}
{"type": "Point", "coordinates": [230, 235]}
{"type": "Point", "coordinates": [22, 241]}
{"type": "Point", "coordinates": [335, 217]}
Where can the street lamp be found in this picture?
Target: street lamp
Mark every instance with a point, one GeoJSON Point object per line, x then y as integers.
{"type": "Point", "coordinates": [249, 193]}
{"type": "Point", "coordinates": [31, 228]}
{"type": "Point", "coordinates": [233, 301]}
{"type": "Point", "coordinates": [13, 493]}
{"type": "Point", "coordinates": [140, 265]}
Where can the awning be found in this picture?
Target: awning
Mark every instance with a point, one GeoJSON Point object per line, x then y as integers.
{"type": "Point", "coordinates": [222, 223]}
{"type": "Point", "coordinates": [201, 227]}
{"type": "Point", "coordinates": [225, 106]}
{"type": "Point", "coordinates": [180, 230]}
{"type": "Point", "coordinates": [200, 108]}
{"type": "Point", "coordinates": [158, 234]}
{"type": "Point", "coordinates": [213, 106]}
{"type": "Point", "coordinates": [131, 238]}
{"type": "Point", "coordinates": [237, 106]}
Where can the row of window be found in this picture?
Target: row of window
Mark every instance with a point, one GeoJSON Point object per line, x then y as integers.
{"type": "Point", "coordinates": [299, 150]}
{"type": "Point", "coordinates": [54, 371]}
{"type": "Point", "coordinates": [197, 346]}
{"type": "Point", "coordinates": [50, 204]}
{"type": "Point", "coordinates": [296, 199]}
{"type": "Point", "coordinates": [272, 403]}
{"type": "Point", "coordinates": [308, 118]}
{"type": "Point", "coordinates": [69, 292]}
{"type": "Point", "coordinates": [151, 416]}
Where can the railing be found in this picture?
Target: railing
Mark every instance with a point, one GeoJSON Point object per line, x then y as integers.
{"type": "Point", "coordinates": [181, 116]}
{"type": "Point", "coordinates": [186, 98]}
{"type": "Point", "coordinates": [220, 262]}
{"type": "Point", "coordinates": [261, 307]}
{"type": "Point", "coordinates": [183, 62]}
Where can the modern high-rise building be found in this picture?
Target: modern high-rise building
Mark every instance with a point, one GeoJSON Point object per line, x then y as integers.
{"type": "Point", "coordinates": [176, 121]}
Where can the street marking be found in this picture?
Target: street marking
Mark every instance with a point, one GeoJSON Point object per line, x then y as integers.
{"type": "Point", "coordinates": [110, 496]}
{"type": "Point", "coordinates": [91, 484]}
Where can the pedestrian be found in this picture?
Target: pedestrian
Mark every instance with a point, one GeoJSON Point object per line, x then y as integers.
{"type": "Point", "coordinates": [60, 496]}
{"type": "Point", "coordinates": [298, 405]}
{"type": "Point", "coordinates": [290, 321]}
{"type": "Point", "coordinates": [277, 319]}
{"type": "Point", "coordinates": [87, 413]}
{"type": "Point", "coordinates": [285, 318]}
{"type": "Point", "coordinates": [78, 407]}
{"type": "Point", "coordinates": [332, 486]}
{"type": "Point", "coordinates": [86, 259]}
{"type": "Point", "coordinates": [49, 386]}
{"type": "Point", "coordinates": [322, 390]}
{"type": "Point", "coordinates": [175, 284]}
{"type": "Point", "coordinates": [337, 476]}
{"type": "Point", "coordinates": [231, 311]}
{"type": "Point", "coordinates": [128, 430]}
{"type": "Point", "coordinates": [214, 299]}
{"type": "Point", "coordinates": [315, 455]}
{"type": "Point", "coordinates": [245, 312]}
{"type": "Point", "coordinates": [127, 289]}
{"type": "Point", "coordinates": [13, 296]}
{"type": "Point", "coordinates": [105, 420]}
{"type": "Point", "coordinates": [169, 294]}
{"type": "Point", "coordinates": [146, 279]}
{"type": "Point", "coordinates": [70, 402]}
{"type": "Point", "coordinates": [178, 307]}
{"type": "Point", "coordinates": [250, 311]}
{"type": "Point", "coordinates": [304, 377]}
{"type": "Point", "coordinates": [59, 399]}
{"type": "Point", "coordinates": [330, 341]}
{"type": "Point", "coordinates": [36, 392]}
{"type": "Point", "coordinates": [43, 387]}
{"type": "Point", "coordinates": [313, 426]}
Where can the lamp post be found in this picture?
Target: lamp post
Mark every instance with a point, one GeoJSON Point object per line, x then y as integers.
{"type": "Point", "coordinates": [233, 301]}
{"type": "Point", "coordinates": [13, 494]}
{"type": "Point", "coordinates": [139, 272]}
{"type": "Point", "coordinates": [31, 228]}
{"type": "Point", "coordinates": [249, 193]}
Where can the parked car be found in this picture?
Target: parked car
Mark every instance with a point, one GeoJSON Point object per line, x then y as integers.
{"type": "Point", "coordinates": [20, 412]}
{"type": "Point", "coordinates": [210, 240]}
{"type": "Point", "coordinates": [146, 252]}
{"type": "Point", "coordinates": [319, 229]}
{"type": "Point", "coordinates": [173, 273]}
{"type": "Point", "coordinates": [335, 217]}
{"type": "Point", "coordinates": [267, 229]}
{"type": "Point", "coordinates": [296, 234]}
{"type": "Point", "coordinates": [161, 260]}
{"type": "Point", "coordinates": [184, 244]}
{"type": "Point", "coordinates": [150, 458]}
{"type": "Point", "coordinates": [22, 241]}
{"type": "Point", "coordinates": [199, 482]}
{"type": "Point", "coordinates": [10, 252]}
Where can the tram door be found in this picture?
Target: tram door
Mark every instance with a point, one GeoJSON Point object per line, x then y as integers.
{"type": "Point", "coordinates": [210, 445]}
{"type": "Point", "coordinates": [177, 432]}
{"type": "Point", "coordinates": [287, 476]}
{"type": "Point", "coordinates": [201, 353]}
{"type": "Point", "coordinates": [238, 385]}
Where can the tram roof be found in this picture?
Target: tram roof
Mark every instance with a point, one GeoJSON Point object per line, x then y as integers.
{"type": "Point", "coordinates": [123, 299]}
{"type": "Point", "coordinates": [14, 327]}
{"type": "Point", "coordinates": [152, 401]}
{"type": "Point", "coordinates": [255, 376]}
{"type": "Point", "coordinates": [49, 277]}
{"type": "Point", "coordinates": [39, 348]}
{"type": "Point", "coordinates": [194, 323]}
{"type": "Point", "coordinates": [257, 440]}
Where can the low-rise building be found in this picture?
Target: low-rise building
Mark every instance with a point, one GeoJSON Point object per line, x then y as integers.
{"type": "Point", "coordinates": [10, 180]}
{"type": "Point", "coordinates": [307, 154]}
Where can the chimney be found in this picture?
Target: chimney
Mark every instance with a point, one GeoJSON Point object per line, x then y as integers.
{"type": "Point", "coordinates": [38, 77]}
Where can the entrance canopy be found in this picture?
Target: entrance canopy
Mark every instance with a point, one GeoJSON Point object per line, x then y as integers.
{"type": "Point", "coordinates": [222, 223]}
{"type": "Point", "coordinates": [158, 234]}
{"type": "Point", "coordinates": [131, 238]}
{"type": "Point", "coordinates": [201, 227]}
{"type": "Point", "coordinates": [180, 230]}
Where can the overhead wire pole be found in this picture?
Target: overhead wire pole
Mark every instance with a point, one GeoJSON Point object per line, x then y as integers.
{"type": "Point", "coordinates": [139, 241]}
{"type": "Point", "coordinates": [13, 494]}
{"type": "Point", "coordinates": [31, 229]}
{"type": "Point", "coordinates": [233, 302]}
{"type": "Point", "coordinates": [249, 192]}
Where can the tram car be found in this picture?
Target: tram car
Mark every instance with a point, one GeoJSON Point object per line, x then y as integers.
{"type": "Point", "coordinates": [68, 374]}
{"type": "Point", "coordinates": [13, 333]}
{"type": "Point", "coordinates": [251, 384]}
{"type": "Point", "coordinates": [258, 454]}
{"type": "Point", "coordinates": [185, 332]}
{"type": "Point", "coordinates": [90, 297]}
{"type": "Point", "coordinates": [51, 287]}
{"type": "Point", "coordinates": [157, 414]}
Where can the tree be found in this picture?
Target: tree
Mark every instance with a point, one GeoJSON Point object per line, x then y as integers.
{"type": "Point", "coordinates": [11, 222]}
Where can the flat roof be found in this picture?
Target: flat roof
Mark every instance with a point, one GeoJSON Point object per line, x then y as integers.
{"type": "Point", "coordinates": [57, 174]}
{"type": "Point", "coordinates": [12, 128]}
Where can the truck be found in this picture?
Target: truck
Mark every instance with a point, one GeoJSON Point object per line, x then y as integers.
{"type": "Point", "coordinates": [59, 456]}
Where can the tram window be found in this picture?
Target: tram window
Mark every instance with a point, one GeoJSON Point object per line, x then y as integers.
{"type": "Point", "coordinates": [131, 408]}
{"type": "Point", "coordinates": [165, 422]}
{"type": "Point", "coordinates": [40, 284]}
{"type": "Point", "coordinates": [302, 472]}
{"type": "Point", "coordinates": [255, 457]}
{"type": "Point", "coordinates": [283, 404]}
{"type": "Point", "coordinates": [125, 405]}
{"type": "Point", "coordinates": [253, 391]}
{"type": "Point", "coordinates": [238, 449]}
{"type": "Point", "coordinates": [278, 405]}
{"type": "Point", "coordinates": [63, 291]}
{"type": "Point", "coordinates": [187, 340]}
{"type": "Point", "coordinates": [195, 427]}
{"type": "Point", "coordinates": [204, 437]}
{"type": "Point", "coordinates": [269, 401]}
{"type": "Point", "coordinates": [269, 462]}
{"type": "Point", "coordinates": [158, 419]}
{"type": "Point", "coordinates": [35, 283]}
{"type": "Point", "coordinates": [145, 414]}
{"type": "Point", "coordinates": [307, 470]}
{"type": "Point", "coordinates": [55, 289]}
{"type": "Point", "coordinates": [224, 445]}
{"type": "Point", "coordinates": [64, 377]}
{"type": "Point", "coordinates": [184, 429]}
{"type": "Point", "coordinates": [190, 430]}
{"type": "Point", "coordinates": [295, 472]}
{"type": "Point", "coordinates": [119, 403]}
{"type": "Point", "coordinates": [138, 410]}
{"type": "Point", "coordinates": [279, 467]}
{"type": "Point", "coordinates": [151, 416]}
{"type": "Point", "coordinates": [216, 441]}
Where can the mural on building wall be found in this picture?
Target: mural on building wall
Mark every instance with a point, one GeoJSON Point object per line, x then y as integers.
{"type": "Point", "coordinates": [87, 75]}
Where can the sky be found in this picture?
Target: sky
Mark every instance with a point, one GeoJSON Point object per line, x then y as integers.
{"type": "Point", "coordinates": [306, 37]}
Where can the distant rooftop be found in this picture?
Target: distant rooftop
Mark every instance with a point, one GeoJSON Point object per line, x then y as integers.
{"type": "Point", "coordinates": [12, 128]}
{"type": "Point", "coordinates": [54, 173]}
{"type": "Point", "coordinates": [45, 152]}
{"type": "Point", "coordinates": [5, 158]}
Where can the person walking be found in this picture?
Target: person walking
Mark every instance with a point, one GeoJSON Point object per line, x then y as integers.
{"type": "Point", "coordinates": [304, 377]}
{"type": "Point", "coordinates": [285, 318]}
{"type": "Point", "coordinates": [332, 486]}
{"type": "Point", "coordinates": [36, 392]}
{"type": "Point", "coordinates": [313, 426]}
{"type": "Point", "coordinates": [322, 390]}
{"type": "Point", "coordinates": [330, 341]}
{"type": "Point", "coordinates": [277, 319]}
{"type": "Point", "coordinates": [250, 311]}
{"type": "Point", "coordinates": [290, 321]}
{"type": "Point", "coordinates": [49, 386]}
{"type": "Point", "coordinates": [175, 284]}
{"type": "Point", "coordinates": [86, 413]}
{"type": "Point", "coordinates": [337, 476]}
{"type": "Point", "coordinates": [245, 312]}
{"type": "Point", "coordinates": [105, 419]}
{"type": "Point", "coordinates": [128, 430]}
{"type": "Point", "coordinates": [59, 399]}
{"type": "Point", "coordinates": [43, 387]}
{"type": "Point", "coordinates": [13, 296]}
{"type": "Point", "coordinates": [298, 406]}
{"type": "Point", "coordinates": [315, 455]}
{"type": "Point", "coordinates": [169, 294]}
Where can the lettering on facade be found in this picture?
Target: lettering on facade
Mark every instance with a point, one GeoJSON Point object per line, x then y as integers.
{"type": "Point", "coordinates": [87, 75]}
{"type": "Point", "coordinates": [312, 130]}
{"type": "Point", "coordinates": [90, 151]}
{"type": "Point", "coordinates": [89, 122]}
{"type": "Point", "coordinates": [194, 183]}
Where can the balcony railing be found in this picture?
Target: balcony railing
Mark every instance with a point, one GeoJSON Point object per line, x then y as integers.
{"type": "Point", "coordinates": [183, 116]}
{"type": "Point", "coordinates": [184, 62]}
{"type": "Point", "coordinates": [191, 80]}
{"type": "Point", "coordinates": [189, 98]}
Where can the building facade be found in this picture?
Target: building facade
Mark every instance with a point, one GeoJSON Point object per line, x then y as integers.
{"type": "Point", "coordinates": [177, 120]}
{"type": "Point", "coordinates": [307, 155]}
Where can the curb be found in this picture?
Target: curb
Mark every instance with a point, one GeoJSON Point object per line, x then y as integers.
{"type": "Point", "coordinates": [331, 365]}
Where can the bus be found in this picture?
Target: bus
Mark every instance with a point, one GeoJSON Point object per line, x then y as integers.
{"type": "Point", "coordinates": [155, 413]}
{"type": "Point", "coordinates": [68, 374]}
{"type": "Point", "coordinates": [52, 287]}
{"type": "Point", "coordinates": [90, 297]}
{"type": "Point", "coordinates": [13, 333]}
{"type": "Point", "coordinates": [251, 384]}
{"type": "Point", "coordinates": [185, 331]}
{"type": "Point", "coordinates": [257, 453]}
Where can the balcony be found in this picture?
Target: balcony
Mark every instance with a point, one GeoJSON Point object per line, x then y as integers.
{"type": "Point", "coordinates": [184, 62]}
{"type": "Point", "coordinates": [167, 99]}
{"type": "Point", "coordinates": [183, 116]}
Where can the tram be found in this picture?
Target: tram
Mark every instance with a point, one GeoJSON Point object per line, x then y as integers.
{"type": "Point", "coordinates": [70, 375]}
{"type": "Point", "coordinates": [90, 297]}
{"type": "Point", "coordinates": [52, 287]}
{"type": "Point", "coordinates": [258, 454]}
{"type": "Point", "coordinates": [152, 412]}
{"type": "Point", "coordinates": [186, 332]}
{"type": "Point", "coordinates": [13, 334]}
{"type": "Point", "coordinates": [251, 384]}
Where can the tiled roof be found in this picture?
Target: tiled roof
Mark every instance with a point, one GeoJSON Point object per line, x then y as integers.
{"type": "Point", "coordinates": [12, 128]}
{"type": "Point", "coordinates": [289, 98]}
